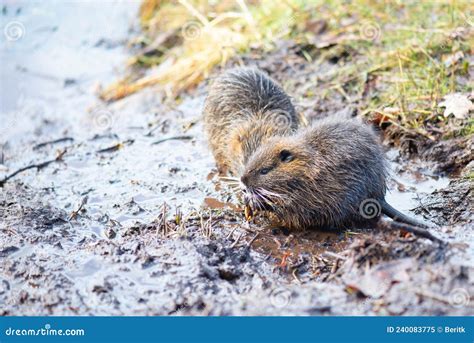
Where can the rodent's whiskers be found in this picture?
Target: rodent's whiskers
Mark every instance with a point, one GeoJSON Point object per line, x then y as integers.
{"type": "Point", "coordinates": [267, 201]}
{"type": "Point", "coordinates": [263, 198]}
{"type": "Point", "coordinates": [269, 193]}
{"type": "Point", "coordinates": [229, 179]}
{"type": "Point", "coordinates": [232, 182]}
{"type": "Point", "coordinates": [270, 197]}
{"type": "Point", "coordinates": [236, 188]}
{"type": "Point", "coordinates": [254, 198]}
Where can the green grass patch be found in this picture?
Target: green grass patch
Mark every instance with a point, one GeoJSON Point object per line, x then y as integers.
{"type": "Point", "coordinates": [416, 51]}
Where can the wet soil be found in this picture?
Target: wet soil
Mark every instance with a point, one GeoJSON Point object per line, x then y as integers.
{"type": "Point", "coordinates": [132, 219]}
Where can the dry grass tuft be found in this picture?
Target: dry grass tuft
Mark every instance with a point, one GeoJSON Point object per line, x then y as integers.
{"type": "Point", "coordinates": [416, 50]}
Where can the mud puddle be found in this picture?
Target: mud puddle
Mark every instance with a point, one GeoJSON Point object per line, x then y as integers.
{"type": "Point", "coordinates": [134, 220]}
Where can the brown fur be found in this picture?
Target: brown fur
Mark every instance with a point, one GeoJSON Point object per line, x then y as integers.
{"type": "Point", "coordinates": [331, 175]}
{"type": "Point", "coordinates": [327, 172]}
{"type": "Point", "coordinates": [244, 108]}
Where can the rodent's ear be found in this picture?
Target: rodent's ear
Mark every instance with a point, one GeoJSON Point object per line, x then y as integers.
{"type": "Point", "coordinates": [286, 156]}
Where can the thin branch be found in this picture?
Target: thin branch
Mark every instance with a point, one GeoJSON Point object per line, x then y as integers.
{"type": "Point", "coordinates": [60, 140]}
{"type": "Point", "coordinates": [117, 146]}
{"type": "Point", "coordinates": [38, 166]}
{"type": "Point", "coordinates": [418, 231]}
{"type": "Point", "coordinates": [172, 139]}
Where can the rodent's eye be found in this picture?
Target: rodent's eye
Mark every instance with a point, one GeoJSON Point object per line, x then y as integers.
{"type": "Point", "coordinates": [286, 156]}
{"type": "Point", "coordinates": [265, 171]}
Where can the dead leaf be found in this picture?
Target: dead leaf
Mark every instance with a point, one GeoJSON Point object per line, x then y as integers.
{"type": "Point", "coordinates": [216, 204]}
{"type": "Point", "coordinates": [316, 26]}
{"type": "Point", "coordinates": [457, 104]}
{"type": "Point", "coordinates": [377, 281]}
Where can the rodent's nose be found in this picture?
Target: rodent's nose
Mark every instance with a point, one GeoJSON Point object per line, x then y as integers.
{"type": "Point", "coordinates": [245, 179]}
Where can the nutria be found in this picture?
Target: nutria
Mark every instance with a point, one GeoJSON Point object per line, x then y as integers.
{"type": "Point", "coordinates": [331, 175]}
{"type": "Point", "coordinates": [244, 108]}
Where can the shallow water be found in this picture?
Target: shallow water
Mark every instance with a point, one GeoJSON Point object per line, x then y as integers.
{"type": "Point", "coordinates": [48, 92]}
{"type": "Point", "coordinates": [53, 59]}
{"type": "Point", "coordinates": [410, 182]}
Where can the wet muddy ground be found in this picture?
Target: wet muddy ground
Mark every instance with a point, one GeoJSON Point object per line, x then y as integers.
{"type": "Point", "coordinates": [130, 218]}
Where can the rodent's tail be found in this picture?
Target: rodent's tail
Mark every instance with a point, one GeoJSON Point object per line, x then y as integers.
{"type": "Point", "coordinates": [400, 217]}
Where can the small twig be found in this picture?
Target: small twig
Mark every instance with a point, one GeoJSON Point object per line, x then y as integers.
{"type": "Point", "coordinates": [163, 222]}
{"type": "Point", "coordinates": [433, 296]}
{"type": "Point", "coordinates": [209, 226]}
{"type": "Point", "coordinates": [81, 206]}
{"type": "Point", "coordinates": [60, 140]}
{"type": "Point", "coordinates": [231, 233]}
{"type": "Point", "coordinates": [172, 138]}
{"type": "Point", "coordinates": [194, 12]}
{"type": "Point", "coordinates": [117, 146]}
{"type": "Point", "coordinates": [233, 245]}
{"type": "Point", "coordinates": [295, 276]}
{"type": "Point", "coordinates": [115, 222]}
{"type": "Point", "coordinates": [420, 232]}
{"type": "Point", "coordinates": [279, 245]}
{"type": "Point", "coordinates": [438, 297]}
{"type": "Point", "coordinates": [157, 126]}
{"type": "Point", "coordinates": [287, 241]}
{"type": "Point", "coordinates": [38, 166]}
{"type": "Point", "coordinates": [335, 266]}
{"type": "Point", "coordinates": [249, 244]}
{"type": "Point", "coordinates": [334, 255]}
{"type": "Point", "coordinates": [108, 135]}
